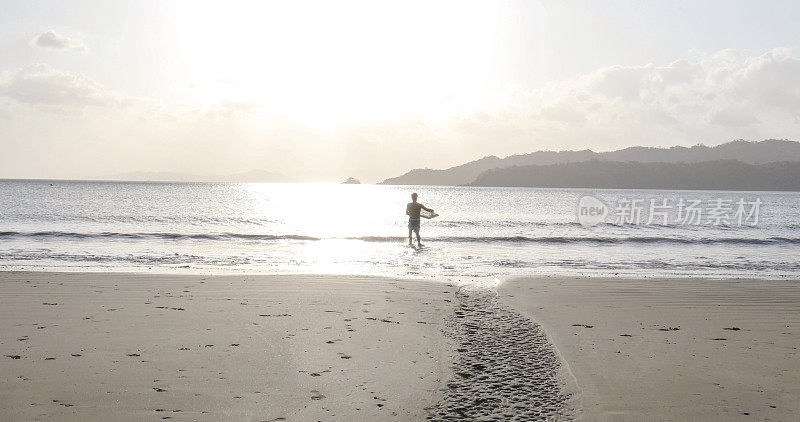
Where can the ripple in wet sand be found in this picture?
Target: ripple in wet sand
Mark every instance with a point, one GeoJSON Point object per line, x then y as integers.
{"type": "Point", "coordinates": [505, 367]}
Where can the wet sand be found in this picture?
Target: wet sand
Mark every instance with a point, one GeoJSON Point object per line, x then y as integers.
{"type": "Point", "coordinates": [672, 349]}
{"type": "Point", "coordinates": [88, 346]}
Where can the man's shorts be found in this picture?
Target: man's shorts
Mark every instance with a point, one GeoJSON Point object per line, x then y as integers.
{"type": "Point", "coordinates": [413, 225]}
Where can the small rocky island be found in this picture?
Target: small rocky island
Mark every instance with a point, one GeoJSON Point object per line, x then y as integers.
{"type": "Point", "coordinates": [351, 181]}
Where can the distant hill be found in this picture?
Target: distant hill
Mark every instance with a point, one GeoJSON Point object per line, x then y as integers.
{"type": "Point", "coordinates": [254, 176]}
{"type": "Point", "coordinates": [748, 152]}
{"type": "Point", "coordinates": [458, 175]}
{"type": "Point", "coordinates": [706, 175]}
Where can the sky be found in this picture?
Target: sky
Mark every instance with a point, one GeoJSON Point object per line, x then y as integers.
{"type": "Point", "coordinates": [320, 90]}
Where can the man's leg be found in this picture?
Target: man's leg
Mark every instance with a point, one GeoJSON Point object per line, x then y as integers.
{"type": "Point", "coordinates": [409, 236]}
{"type": "Point", "coordinates": [419, 241]}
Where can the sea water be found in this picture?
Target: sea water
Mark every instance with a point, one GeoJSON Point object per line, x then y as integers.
{"type": "Point", "coordinates": [362, 229]}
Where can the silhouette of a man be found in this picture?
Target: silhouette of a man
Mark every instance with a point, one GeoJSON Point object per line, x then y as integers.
{"type": "Point", "coordinates": [412, 210]}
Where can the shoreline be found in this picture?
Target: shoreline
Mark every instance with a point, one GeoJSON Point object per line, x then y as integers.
{"type": "Point", "coordinates": [485, 281]}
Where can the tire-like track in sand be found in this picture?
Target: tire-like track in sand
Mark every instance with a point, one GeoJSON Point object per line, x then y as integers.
{"type": "Point", "coordinates": [505, 368]}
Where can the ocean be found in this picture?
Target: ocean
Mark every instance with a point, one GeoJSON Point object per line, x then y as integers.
{"type": "Point", "coordinates": [481, 233]}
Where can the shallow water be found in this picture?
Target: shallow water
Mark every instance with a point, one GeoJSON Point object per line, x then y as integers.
{"type": "Point", "coordinates": [361, 229]}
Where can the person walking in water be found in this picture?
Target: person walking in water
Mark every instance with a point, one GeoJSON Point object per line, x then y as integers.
{"type": "Point", "coordinates": [412, 210]}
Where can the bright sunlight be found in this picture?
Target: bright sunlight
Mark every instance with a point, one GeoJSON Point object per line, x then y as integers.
{"type": "Point", "coordinates": [340, 61]}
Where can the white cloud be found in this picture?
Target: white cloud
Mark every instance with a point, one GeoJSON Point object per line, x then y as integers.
{"type": "Point", "coordinates": [733, 117]}
{"type": "Point", "coordinates": [230, 108]}
{"type": "Point", "coordinates": [772, 79]}
{"type": "Point", "coordinates": [41, 84]}
{"type": "Point", "coordinates": [563, 113]}
{"type": "Point", "coordinates": [52, 39]}
{"type": "Point", "coordinates": [710, 98]}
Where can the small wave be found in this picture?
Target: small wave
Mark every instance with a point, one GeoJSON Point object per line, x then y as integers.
{"type": "Point", "coordinates": [502, 223]}
{"type": "Point", "coordinates": [378, 238]}
{"type": "Point", "coordinates": [161, 219]}
{"type": "Point", "coordinates": [136, 259]}
{"type": "Point", "coordinates": [165, 236]}
{"type": "Point", "coordinates": [610, 240]}
{"type": "Point", "coordinates": [617, 240]}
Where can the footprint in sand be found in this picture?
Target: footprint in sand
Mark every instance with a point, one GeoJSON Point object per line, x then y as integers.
{"type": "Point", "coordinates": [317, 374]}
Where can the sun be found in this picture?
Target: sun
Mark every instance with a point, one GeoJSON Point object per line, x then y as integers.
{"type": "Point", "coordinates": [338, 61]}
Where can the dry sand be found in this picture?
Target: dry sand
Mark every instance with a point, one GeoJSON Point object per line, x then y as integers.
{"type": "Point", "coordinates": [146, 347]}
{"type": "Point", "coordinates": [91, 346]}
{"type": "Point", "coordinates": [84, 346]}
{"type": "Point", "coordinates": [673, 349]}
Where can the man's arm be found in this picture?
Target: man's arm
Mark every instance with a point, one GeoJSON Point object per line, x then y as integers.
{"type": "Point", "coordinates": [426, 208]}
{"type": "Point", "coordinates": [408, 209]}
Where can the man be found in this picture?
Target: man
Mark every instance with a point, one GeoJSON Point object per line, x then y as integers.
{"type": "Point", "coordinates": [412, 211]}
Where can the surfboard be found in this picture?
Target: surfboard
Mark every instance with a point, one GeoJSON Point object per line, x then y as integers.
{"type": "Point", "coordinates": [427, 214]}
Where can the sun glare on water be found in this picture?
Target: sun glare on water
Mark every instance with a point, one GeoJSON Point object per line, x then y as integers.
{"type": "Point", "coordinates": [329, 62]}
{"type": "Point", "coordinates": [335, 229]}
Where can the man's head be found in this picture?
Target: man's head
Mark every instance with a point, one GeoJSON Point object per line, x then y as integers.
{"type": "Point", "coordinates": [414, 197]}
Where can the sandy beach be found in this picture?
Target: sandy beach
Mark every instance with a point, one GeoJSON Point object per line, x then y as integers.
{"type": "Point", "coordinates": [673, 349]}
{"type": "Point", "coordinates": [504, 211]}
{"type": "Point", "coordinates": [89, 346]}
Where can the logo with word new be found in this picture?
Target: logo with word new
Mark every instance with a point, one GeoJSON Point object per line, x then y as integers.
{"type": "Point", "coordinates": [591, 211]}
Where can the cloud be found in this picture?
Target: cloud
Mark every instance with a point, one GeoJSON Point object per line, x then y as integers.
{"type": "Point", "coordinates": [239, 106]}
{"type": "Point", "coordinates": [622, 82]}
{"type": "Point", "coordinates": [52, 39]}
{"type": "Point", "coordinates": [772, 79]}
{"type": "Point", "coordinates": [708, 98]}
{"type": "Point", "coordinates": [41, 84]}
{"type": "Point", "coordinates": [563, 113]}
{"type": "Point", "coordinates": [228, 109]}
{"type": "Point", "coordinates": [641, 83]}
{"type": "Point", "coordinates": [733, 117]}
{"type": "Point", "coordinates": [656, 116]}
{"type": "Point", "coordinates": [722, 89]}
